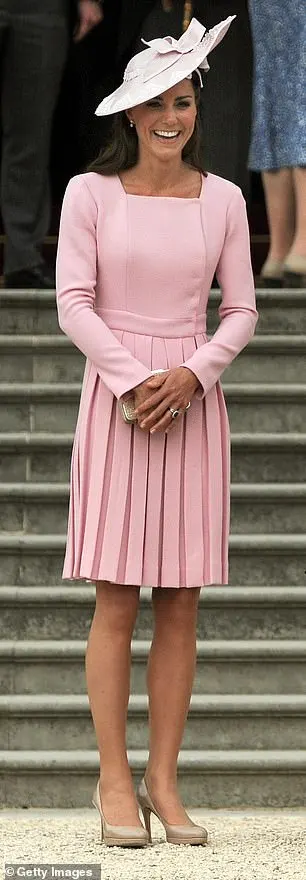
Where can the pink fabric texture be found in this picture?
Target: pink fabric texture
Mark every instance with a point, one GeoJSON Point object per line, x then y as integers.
{"type": "Point", "coordinates": [133, 279]}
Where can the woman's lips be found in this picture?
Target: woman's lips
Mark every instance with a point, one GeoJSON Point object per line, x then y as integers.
{"type": "Point", "coordinates": [164, 137]}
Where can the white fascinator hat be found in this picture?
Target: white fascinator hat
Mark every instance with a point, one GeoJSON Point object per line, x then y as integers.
{"type": "Point", "coordinates": [164, 64]}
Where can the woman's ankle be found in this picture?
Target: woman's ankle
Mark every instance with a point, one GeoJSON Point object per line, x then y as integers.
{"type": "Point", "coordinates": [116, 779]}
{"type": "Point", "coordinates": [160, 780]}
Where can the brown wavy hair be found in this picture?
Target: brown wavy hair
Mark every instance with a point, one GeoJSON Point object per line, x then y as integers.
{"type": "Point", "coordinates": [121, 152]}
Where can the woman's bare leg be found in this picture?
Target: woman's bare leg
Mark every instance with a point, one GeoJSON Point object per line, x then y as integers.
{"type": "Point", "coordinates": [108, 663]}
{"type": "Point", "coordinates": [170, 675]}
{"type": "Point", "coordinates": [280, 206]}
{"type": "Point", "coordinates": [298, 248]}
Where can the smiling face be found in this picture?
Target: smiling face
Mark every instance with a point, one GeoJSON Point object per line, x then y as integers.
{"type": "Point", "coordinates": [164, 124]}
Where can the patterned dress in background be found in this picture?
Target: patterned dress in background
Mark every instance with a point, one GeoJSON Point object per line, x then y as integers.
{"type": "Point", "coordinates": [279, 90]}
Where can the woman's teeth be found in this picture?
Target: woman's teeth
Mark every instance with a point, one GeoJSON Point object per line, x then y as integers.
{"type": "Point", "coordinates": [167, 134]}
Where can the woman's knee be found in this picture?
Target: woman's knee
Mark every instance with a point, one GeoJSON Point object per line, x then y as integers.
{"type": "Point", "coordinates": [117, 605]}
{"type": "Point", "coordinates": [176, 607]}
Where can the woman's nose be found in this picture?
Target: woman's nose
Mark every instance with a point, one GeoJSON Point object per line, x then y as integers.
{"type": "Point", "coordinates": [170, 116]}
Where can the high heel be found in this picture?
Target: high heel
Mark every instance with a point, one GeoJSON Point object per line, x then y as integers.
{"type": "Point", "coordinates": [118, 835]}
{"type": "Point", "coordinates": [294, 271]}
{"type": "Point", "coordinates": [146, 812]}
{"type": "Point", "coordinates": [271, 274]}
{"type": "Point", "coordinates": [189, 834]}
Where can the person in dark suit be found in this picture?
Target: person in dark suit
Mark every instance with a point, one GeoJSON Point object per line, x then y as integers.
{"type": "Point", "coordinates": [226, 97]}
{"type": "Point", "coordinates": [34, 38]}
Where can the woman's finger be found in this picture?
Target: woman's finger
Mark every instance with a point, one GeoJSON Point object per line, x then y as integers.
{"type": "Point", "coordinates": [146, 391]}
{"type": "Point", "coordinates": [165, 394]}
{"type": "Point", "coordinates": [149, 411]}
{"type": "Point", "coordinates": [175, 383]}
{"type": "Point", "coordinates": [153, 401]}
{"type": "Point", "coordinates": [157, 413]}
{"type": "Point", "coordinates": [165, 424]}
{"type": "Point", "coordinates": [148, 421]}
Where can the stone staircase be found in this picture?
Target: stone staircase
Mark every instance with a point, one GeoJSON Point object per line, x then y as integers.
{"type": "Point", "coordinates": [244, 743]}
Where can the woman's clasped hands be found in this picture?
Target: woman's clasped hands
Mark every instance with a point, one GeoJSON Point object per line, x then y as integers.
{"type": "Point", "coordinates": [153, 398]}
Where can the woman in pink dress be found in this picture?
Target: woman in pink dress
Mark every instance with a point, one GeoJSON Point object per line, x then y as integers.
{"type": "Point", "coordinates": [141, 237]}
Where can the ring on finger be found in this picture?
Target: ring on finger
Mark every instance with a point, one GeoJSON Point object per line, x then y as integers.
{"type": "Point", "coordinates": [174, 412]}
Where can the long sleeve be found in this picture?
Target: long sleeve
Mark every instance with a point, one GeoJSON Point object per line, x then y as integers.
{"type": "Point", "coordinates": [75, 283]}
{"type": "Point", "coordinates": [237, 312]}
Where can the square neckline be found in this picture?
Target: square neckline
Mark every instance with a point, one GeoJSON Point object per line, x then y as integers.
{"type": "Point", "coordinates": [175, 198]}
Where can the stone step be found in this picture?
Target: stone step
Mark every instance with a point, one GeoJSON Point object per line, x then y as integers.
{"type": "Point", "coordinates": [42, 508]}
{"type": "Point", "coordinates": [240, 666]}
{"type": "Point", "coordinates": [39, 456]}
{"type": "Point", "coordinates": [50, 407]}
{"type": "Point", "coordinates": [235, 613]}
{"type": "Point", "coordinates": [28, 311]}
{"type": "Point", "coordinates": [280, 358]}
{"type": "Point", "coordinates": [47, 358]}
{"type": "Point", "coordinates": [224, 778]}
{"type": "Point", "coordinates": [219, 721]}
{"type": "Point", "coordinates": [276, 559]}
{"type": "Point", "coordinates": [268, 457]}
{"type": "Point", "coordinates": [44, 358]}
{"type": "Point", "coordinates": [279, 311]}
{"type": "Point", "coordinates": [34, 311]}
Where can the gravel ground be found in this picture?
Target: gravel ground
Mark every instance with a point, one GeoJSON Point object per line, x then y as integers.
{"type": "Point", "coordinates": [250, 845]}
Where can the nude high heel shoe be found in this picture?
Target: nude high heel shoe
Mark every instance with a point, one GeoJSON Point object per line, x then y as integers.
{"type": "Point", "coordinates": [271, 274]}
{"type": "Point", "coordinates": [118, 835]}
{"type": "Point", "coordinates": [294, 271]}
{"type": "Point", "coordinates": [189, 834]}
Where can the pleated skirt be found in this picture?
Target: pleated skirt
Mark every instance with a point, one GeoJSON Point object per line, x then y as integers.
{"type": "Point", "coordinates": [149, 509]}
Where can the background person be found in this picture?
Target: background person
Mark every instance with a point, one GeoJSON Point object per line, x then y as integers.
{"type": "Point", "coordinates": [278, 145]}
{"type": "Point", "coordinates": [34, 39]}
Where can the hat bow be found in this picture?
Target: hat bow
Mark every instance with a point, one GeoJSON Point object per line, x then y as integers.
{"type": "Point", "coordinates": [163, 46]}
{"type": "Point", "coordinates": [186, 43]}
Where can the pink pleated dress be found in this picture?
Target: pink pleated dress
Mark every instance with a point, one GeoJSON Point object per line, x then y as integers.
{"type": "Point", "coordinates": [133, 279]}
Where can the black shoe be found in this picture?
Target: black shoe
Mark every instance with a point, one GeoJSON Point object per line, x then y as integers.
{"type": "Point", "coordinates": [37, 277]}
{"type": "Point", "coordinates": [268, 282]}
{"type": "Point", "coordinates": [294, 279]}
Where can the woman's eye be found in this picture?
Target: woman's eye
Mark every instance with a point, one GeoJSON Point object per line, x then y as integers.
{"type": "Point", "coordinates": [157, 104]}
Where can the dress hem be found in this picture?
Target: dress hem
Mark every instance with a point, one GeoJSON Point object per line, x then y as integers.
{"type": "Point", "coordinates": [210, 583]}
{"type": "Point", "coordinates": [280, 162]}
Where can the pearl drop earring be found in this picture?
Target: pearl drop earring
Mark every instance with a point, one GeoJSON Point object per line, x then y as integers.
{"type": "Point", "coordinates": [132, 123]}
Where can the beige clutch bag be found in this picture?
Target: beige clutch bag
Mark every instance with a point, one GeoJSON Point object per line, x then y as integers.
{"type": "Point", "coordinates": [127, 404]}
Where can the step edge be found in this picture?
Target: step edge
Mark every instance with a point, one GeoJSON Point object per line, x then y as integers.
{"type": "Point", "coordinates": [234, 390]}
{"type": "Point", "coordinates": [209, 595]}
{"type": "Point", "coordinates": [48, 341]}
{"type": "Point", "coordinates": [36, 440]}
{"type": "Point", "coordinates": [215, 704]}
{"type": "Point", "coordinates": [217, 649]}
{"type": "Point", "coordinates": [263, 294]}
{"type": "Point", "coordinates": [47, 491]}
{"type": "Point", "coordinates": [197, 760]}
{"type": "Point", "coordinates": [282, 542]}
